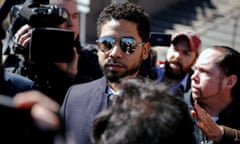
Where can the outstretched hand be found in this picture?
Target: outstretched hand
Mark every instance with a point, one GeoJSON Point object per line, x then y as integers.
{"type": "Point", "coordinates": [211, 129]}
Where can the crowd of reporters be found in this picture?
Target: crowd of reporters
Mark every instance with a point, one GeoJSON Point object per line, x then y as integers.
{"type": "Point", "coordinates": [44, 84]}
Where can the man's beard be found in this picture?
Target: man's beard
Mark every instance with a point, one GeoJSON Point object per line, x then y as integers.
{"type": "Point", "coordinates": [171, 74]}
{"type": "Point", "coordinates": [115, 77]}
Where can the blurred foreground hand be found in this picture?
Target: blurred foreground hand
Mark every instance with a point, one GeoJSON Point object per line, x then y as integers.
{"type": "Point", "coordinates": [43, 109]}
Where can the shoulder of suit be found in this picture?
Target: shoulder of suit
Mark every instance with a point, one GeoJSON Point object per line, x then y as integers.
{"type": "Point", "coordinates": [98, 82]}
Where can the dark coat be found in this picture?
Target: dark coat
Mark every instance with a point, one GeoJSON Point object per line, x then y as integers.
{"type": "Point", "coordinates": [82, 103]}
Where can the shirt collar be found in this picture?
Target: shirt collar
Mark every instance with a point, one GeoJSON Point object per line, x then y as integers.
{"type": "Point", "coordinates": [182, 83]}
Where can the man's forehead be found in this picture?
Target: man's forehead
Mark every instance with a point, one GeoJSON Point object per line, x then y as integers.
{"type": "Point", "coordinates": [209, 56]}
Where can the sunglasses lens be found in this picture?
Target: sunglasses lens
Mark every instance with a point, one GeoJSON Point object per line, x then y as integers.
{"type": "Point", "coordinates": [106, 43]}
{"type": "Point", "coordinates": [128, 45]}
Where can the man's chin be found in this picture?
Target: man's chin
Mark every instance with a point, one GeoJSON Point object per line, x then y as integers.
{"type": "Point", "coordinates": [113, 77]}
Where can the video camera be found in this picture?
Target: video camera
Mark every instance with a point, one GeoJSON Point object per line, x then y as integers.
{"type": "Point", "coordinates": [39, 13]}
{"type": "Point", "coordinates": [48, 43]}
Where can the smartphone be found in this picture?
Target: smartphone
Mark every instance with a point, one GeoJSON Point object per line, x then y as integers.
{"type": "Point", "coordinates": [51, 44]}
{"type": "Point", "coordinates": [160, 39]}
{"type": "Point", "coordinates": [17, 126]}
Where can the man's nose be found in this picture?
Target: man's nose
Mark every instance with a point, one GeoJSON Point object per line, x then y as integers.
{"type": "Point", "coordinates": [116, 51]}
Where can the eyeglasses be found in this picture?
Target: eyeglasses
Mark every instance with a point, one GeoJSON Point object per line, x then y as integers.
{"type": "Point", "coordinates": [127, 44]}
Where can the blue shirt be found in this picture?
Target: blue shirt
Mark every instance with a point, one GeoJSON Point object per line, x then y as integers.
{"type": "Point", "coordinates": [14, 83]}
{"type": "Point", "coordinates": [160, 70]}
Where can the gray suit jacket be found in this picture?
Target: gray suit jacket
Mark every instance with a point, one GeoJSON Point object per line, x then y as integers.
{"type": "Point", "coordinates": [82, 103]}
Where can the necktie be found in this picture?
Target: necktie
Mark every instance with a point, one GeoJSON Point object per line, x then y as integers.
{"type": "Point", "coordinates": [111, 99]}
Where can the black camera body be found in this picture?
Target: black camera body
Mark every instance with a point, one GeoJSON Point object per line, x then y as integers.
{"type": "Point", "coordinates": [51, 45]}
{"type": "Point", "coordinates": [44, 15]}
{"type": "Point", "coordinates": [160, 39]}
{"type": "Point", "coordinates": [47, 42]}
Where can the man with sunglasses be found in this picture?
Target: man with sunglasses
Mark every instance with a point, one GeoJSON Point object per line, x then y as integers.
{"type": "Point", "coordinates": [123, 34]}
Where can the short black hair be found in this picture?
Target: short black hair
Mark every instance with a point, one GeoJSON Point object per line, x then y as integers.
{"type": "Point", "coordinates": [127, 11]}
{"type": "Point", "coordinates": [229, 65]}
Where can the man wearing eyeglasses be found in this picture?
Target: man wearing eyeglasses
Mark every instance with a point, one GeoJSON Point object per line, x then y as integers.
{"type": "Point", "coordinates": [123, 34]}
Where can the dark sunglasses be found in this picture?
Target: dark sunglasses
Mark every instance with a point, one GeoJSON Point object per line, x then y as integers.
{"type": "Point", "coordinates": [127, 44]}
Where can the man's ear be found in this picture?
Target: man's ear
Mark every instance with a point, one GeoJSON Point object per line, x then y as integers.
{"type": "Point", "coordinates": [146, 49]}
{"type": "Point", "coordinates": [231, 80]}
